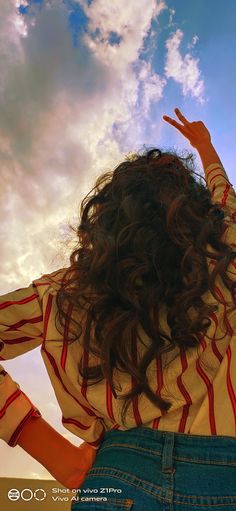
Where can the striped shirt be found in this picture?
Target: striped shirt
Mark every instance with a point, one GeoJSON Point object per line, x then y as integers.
{"type": "Point", "coordinates": [201, 383]}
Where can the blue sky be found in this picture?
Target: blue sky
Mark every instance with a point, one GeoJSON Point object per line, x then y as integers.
{"type": "Point", "coordinates": [82, 83]}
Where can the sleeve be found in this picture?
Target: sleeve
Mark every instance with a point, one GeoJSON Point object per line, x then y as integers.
{"type": "Point", "coordinates": [223, 193]}
{"type": "Point", "coordinates": [221, 189]}
{"type": "Point", "coordinates": [21, 330]}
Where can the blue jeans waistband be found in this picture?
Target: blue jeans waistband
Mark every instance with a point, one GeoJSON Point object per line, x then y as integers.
{"type": "Point", "coordinates": [200, 447]}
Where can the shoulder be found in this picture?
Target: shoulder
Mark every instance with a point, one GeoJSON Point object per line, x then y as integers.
{"type": "Point", "coordinates": [49, 282]}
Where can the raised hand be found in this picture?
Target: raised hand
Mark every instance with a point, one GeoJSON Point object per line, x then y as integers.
{"type": "Point", "coordinates": [196, 132]}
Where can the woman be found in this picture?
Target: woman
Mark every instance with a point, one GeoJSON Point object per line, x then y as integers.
{"type": "Point", "coordinates": [154, 273]}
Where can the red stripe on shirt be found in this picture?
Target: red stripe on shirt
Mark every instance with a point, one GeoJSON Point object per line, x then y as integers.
{"type": "Point", "coordinates": [184, 392]}
{"type": "Point", "coordinates": [228, 326]}
{"type": "Point", "coordinates": [18, 340]}
{"type": "Point", "coordinates": [210, 393]}
{"type": "Point", "coordinates": [137, 415]}
{"type": "Point", "coordinates": [85, 359]}
{"type": "Point", "coordinates": [56, 371]}
{"type": "Point", "coordinates": [109, 407]}
{"type": "Point", "coordinates": [213, 177]}
{"type": "Point", "coordinates": [38, 284]}
{"type": "Point", "coordinates": [78, 424]}
{"type": "Point", "coordinates": [9, 400]}
{"type": "Point", "coordinates": [47, 316]}
{"type": "Point", "coordinates": [18, 302]}
{"type": "Point", "coordinates": [49, 283]}
{"type": "Point", "coordinates": [22, 322]}
{"type": "Point", "coordinates": [159, 373]}
{"type": "Point", "coordinates": [13, 440]}
{"type": "Point", "coordinates": [52, 360]}
{"type": "Point", "coordinates": [225, 195]}
{"type": "Point", "coordinates": [214, 345]}
{"type": "Point", "coordinates": [116, 426]}
{"type": "Point", "coordinates": [216, 351]}
{"type": "Point", "coordinates": [221, 174]}
{"type": "Point", "coordinates": [229, 384]}
{"type": "Point", "coordinates": [26, 397]}
{"type": "Point", "coordinates": [234, 265]}
{"type": "Point", "coordinates": [217, 167]}
{"type": "Point", "coordinates": [99, 440]}
{"type": "Point", "coordinates": [65, 340]}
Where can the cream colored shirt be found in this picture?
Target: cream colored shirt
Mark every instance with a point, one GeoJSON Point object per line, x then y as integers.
{"type": "Point", "coordinates": [201, 382]}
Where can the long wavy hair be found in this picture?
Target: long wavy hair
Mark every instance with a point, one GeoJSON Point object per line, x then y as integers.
{"type": "Point", "coordinates": [142, 242]}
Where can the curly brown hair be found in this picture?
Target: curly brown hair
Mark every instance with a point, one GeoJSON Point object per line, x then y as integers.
{"type": "Point", "coordinates": [142, 243]}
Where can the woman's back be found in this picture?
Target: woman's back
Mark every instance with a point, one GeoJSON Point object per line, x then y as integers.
{"type": "Point", "coordinates": [197, 380]}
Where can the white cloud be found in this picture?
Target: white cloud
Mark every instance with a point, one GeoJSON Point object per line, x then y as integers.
{"type": "Point", "coordinates": [151, 84]}
{"type": "Point", "coordinates": [128, 22]}
{"type": "Point", "coordinates": [195, 39]}
{"type": "Point", "coordinates": [184, 70]}
{"type": "Point", "coordinates": [172, 13]}
{"type": "Point", "coordinates": [65, 114]}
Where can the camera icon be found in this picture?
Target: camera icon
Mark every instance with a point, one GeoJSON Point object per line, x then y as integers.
{"type": "Point", "coordinates": [27, 494]}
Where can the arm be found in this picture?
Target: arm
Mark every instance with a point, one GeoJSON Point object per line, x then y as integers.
{"type": "Point", "coordinates": [221, 189]}
{"type": "Point", "coordinates": [67, 463]}
{"type": "Point", "coordinates": [208, 154]}
{"type": "Point", "coordinates": [21, 330]}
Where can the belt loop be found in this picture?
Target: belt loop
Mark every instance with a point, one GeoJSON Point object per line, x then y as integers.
{"type": "Point", "coordinates": [167, 453]}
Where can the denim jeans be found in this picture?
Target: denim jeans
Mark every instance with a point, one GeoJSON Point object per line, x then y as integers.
{"type": "Point", "coordinates": [142, 469]}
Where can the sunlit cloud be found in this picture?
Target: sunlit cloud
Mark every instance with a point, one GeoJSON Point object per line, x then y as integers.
{"type": "Point", "coordinates": [66, 112]}
{"type": "Point", "coordinates": [184, 70]}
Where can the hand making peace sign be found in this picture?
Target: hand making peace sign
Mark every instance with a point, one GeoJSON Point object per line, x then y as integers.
{"type": "Point", "coordinates": [196, 132]}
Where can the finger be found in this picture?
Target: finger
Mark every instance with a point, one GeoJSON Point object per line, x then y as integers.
{"type": "Point", "coordinates": [181, 116]}
{"type": "Point", "coordinates": [174, 123]}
